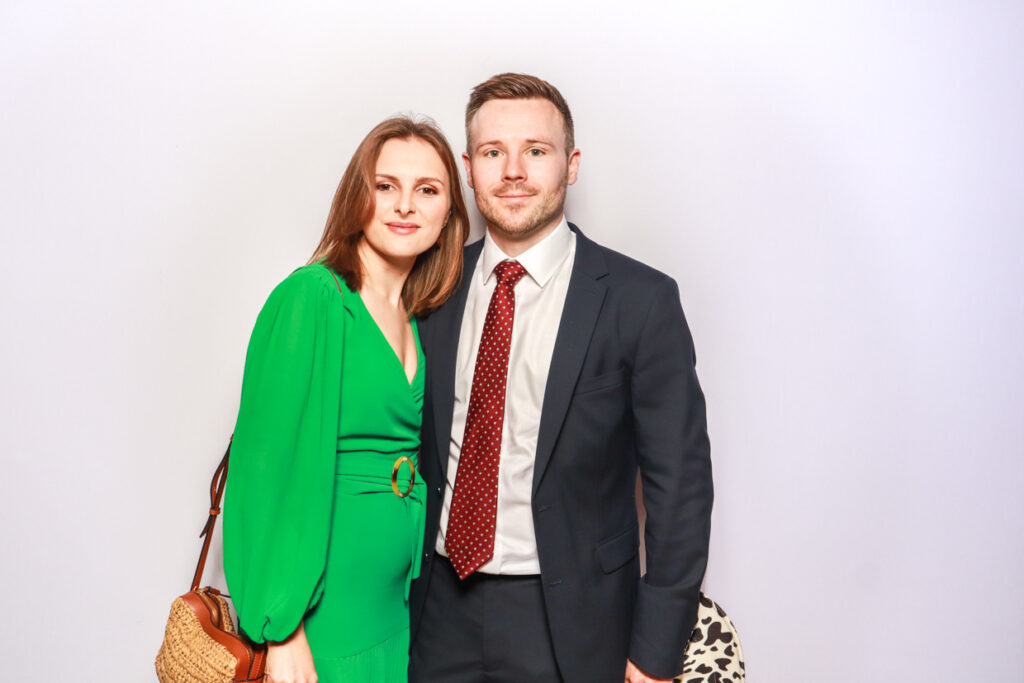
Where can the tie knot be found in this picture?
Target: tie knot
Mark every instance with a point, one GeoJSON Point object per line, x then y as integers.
{"type": "Point", "coordinates": [509, 273]}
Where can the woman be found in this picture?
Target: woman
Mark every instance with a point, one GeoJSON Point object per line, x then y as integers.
{"type": "Point", "coordinates": [321, 541]}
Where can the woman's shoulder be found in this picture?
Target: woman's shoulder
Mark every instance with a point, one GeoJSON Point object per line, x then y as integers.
{"type": "Point", "coordinates": [311, 281]}
{"type": "Point", "coordinates": [305, 295]}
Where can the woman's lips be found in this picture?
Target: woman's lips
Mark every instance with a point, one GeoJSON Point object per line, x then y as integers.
{"type": "Point", "coordinates": [403, 228]}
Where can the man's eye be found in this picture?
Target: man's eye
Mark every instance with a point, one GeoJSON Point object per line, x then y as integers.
{"type": "Point", "coordinates": [491, 153]}
{"type": "Point", "coordinates": [536, 152]}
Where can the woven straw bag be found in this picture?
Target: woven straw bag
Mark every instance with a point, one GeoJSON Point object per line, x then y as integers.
{"type": "Point", "coordinates": [201, 644]}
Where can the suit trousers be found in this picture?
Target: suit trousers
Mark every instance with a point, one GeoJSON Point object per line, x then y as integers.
{"type": "Point", "coordinates": [486, 629]}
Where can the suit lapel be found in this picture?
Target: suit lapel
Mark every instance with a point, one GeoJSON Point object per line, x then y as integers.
{"type": "Point", "coordinates": [583, 302]}
{"type": "Point", "coordinates": [444, 354]}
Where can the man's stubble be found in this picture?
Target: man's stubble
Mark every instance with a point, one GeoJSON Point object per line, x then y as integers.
{"type": "Point", "coordinates": [520, 224]}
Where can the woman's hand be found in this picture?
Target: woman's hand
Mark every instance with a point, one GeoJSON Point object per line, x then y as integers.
{"type": "Point", "coordinates": [291, 661]}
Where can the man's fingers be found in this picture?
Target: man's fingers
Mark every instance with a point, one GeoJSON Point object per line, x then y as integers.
{"type": "Point", "coordinates": [635, 675]}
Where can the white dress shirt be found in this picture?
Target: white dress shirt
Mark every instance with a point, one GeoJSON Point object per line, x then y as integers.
{"type": "Point", "coordinates": [540, 297]}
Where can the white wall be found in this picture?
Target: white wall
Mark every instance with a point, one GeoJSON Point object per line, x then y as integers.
{"type": "Point", "coordinates": [836, 187]}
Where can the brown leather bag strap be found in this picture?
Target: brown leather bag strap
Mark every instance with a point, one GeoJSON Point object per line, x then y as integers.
{"type": "Point", "coordinates": [216, 492]}
{"type": "Point", "coordinates": [336, 281]}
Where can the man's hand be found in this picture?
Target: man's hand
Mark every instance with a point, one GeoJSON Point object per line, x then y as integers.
{"type": "Point", "coordinates": [635, 675]}
{"type": "Point", "coordinates": [291, 661]}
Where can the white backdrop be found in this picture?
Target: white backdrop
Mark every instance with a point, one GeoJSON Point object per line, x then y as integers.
{"type": "Point", "coordinates": [836, 188]}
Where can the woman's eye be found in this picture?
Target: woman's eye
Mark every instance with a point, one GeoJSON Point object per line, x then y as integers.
{"type": "Point", "coordinates": [384, 187]}
{"type": "Point", "coordinates": [428, 190]}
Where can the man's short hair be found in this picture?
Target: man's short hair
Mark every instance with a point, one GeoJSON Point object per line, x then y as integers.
{"type": "Point", "coordinates": [511, 86]}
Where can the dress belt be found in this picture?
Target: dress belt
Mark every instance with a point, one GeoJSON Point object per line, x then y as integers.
{"type": "Point", "coordinates": [384, 473]}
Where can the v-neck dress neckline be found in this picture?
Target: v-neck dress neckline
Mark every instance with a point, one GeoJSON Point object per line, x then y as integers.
{"type": "Point", "coordinates": [410, 381]}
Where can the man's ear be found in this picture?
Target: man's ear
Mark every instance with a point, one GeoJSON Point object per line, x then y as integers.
{"type": "Point", "coordinates": [574, 166]}
{"type": "Point", "coordinates": [469, 169]}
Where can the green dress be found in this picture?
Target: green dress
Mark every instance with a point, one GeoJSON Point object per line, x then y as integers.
{"type": "Point", "coordinates": [313, 529]}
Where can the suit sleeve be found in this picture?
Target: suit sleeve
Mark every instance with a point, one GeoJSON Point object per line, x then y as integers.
{"type": "Point", "coordinates": [281, 473]}
{"type": "Point", "coordinates": [675, 465]}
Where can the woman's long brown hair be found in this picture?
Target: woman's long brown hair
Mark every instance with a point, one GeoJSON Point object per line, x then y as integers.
{"type": "Point", "coordinates": [438, 270]}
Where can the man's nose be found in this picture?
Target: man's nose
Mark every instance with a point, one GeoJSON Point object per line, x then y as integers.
{"type": "Point", "coordinates": [514, 169]}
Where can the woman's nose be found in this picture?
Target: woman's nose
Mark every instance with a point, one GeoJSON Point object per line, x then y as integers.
{"type": "Point", "coordinates": [404, 205]}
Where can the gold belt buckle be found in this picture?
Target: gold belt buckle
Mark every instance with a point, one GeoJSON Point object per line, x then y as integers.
{"type": "Point", "coordinates": [394, 476]}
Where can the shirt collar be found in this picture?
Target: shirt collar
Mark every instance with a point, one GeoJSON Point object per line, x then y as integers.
{"type": "Point", "coordinates": [540, 261]}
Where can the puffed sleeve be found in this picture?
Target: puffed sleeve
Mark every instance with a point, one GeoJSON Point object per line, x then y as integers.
{"type": "Point", "coordinates": [281, 472]}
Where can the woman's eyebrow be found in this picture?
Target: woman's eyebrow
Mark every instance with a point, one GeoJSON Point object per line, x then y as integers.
{"type": "Point", "coordinates": [424, 179]}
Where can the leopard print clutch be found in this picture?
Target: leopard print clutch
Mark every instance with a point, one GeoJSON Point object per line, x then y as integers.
{"type": "Point", "coordinates": [714, 654]}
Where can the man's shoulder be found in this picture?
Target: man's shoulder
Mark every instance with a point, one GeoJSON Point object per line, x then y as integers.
{"type": "Point", "coordinates": [624, 270]}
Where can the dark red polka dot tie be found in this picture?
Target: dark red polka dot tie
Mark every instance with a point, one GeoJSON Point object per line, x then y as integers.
{"type": "Point", "coordinates": [470, 538]}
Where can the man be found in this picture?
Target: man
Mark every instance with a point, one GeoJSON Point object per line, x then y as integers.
{"type": "Point", "coordinates": [556, 370]}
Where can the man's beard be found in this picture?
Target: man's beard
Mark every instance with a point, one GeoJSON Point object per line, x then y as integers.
{"type": "Point", "coordinates": [520, 222]}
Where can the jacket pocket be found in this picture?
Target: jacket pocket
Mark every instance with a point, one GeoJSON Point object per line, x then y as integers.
{"type": "Point", "coordinates": [602, 381]}
{"type": "Point", "coordinates": [618, 550]}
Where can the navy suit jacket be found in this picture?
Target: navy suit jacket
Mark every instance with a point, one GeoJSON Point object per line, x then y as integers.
{"type": "Point", "coordinates": [621, 393]}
